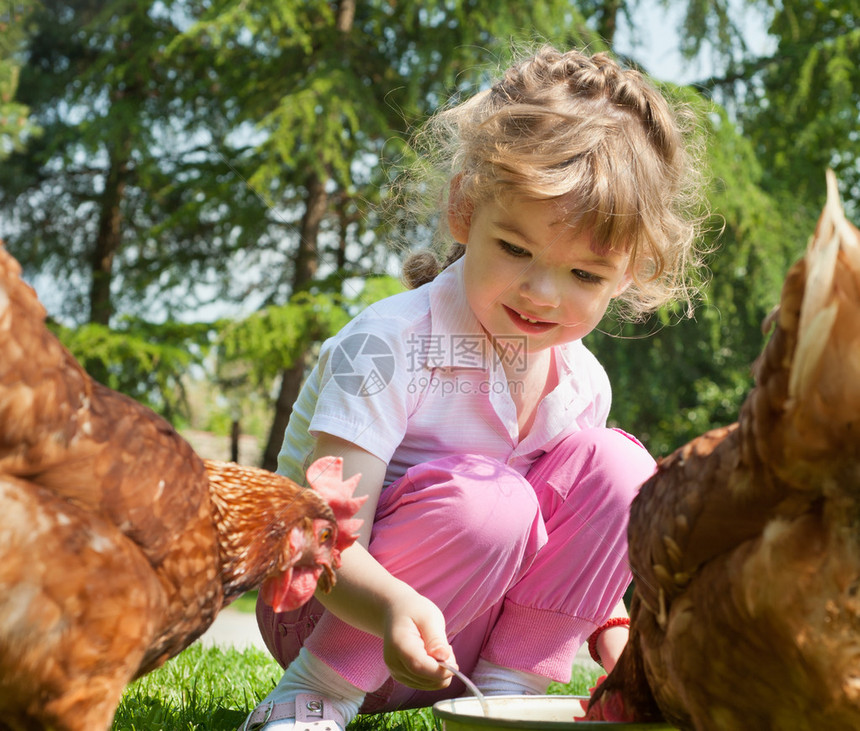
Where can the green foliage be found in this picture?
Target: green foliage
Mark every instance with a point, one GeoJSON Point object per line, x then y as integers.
{"type": "Point", "coordinates": [374, 289]}
{"type": "Point", "coordinates": [799, 106]}
{"type": "Point", "coordinates": [131, 144]}
{"type": "Point", "coordinates": [15, 126]}
{"type": "Point", "coordinates": [711, 22]}
{"type": "Point", "coordinates": [194, 127]}
{"type": "Point", "coordinates": [812, 90]}
{"type": "Point", "coordinates": [145, 361]}
{"type": "Point", "coordinates": [272, 339]}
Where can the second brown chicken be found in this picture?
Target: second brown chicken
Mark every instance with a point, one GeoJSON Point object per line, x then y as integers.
{"type": "Point", "coordinates": [745, 545]}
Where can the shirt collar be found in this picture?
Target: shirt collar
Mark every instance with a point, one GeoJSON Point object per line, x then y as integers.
{"type": "Point", "coordinates": [565, 356]}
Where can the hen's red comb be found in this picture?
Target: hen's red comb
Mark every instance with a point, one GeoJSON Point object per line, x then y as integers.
{"type": "Point", "coordinates": [326, 477]}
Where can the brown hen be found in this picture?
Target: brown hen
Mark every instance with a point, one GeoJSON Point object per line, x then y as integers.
{"type": "Point", "coordinates": [745, 545]}
{"type": "Point", "coordinates": [118, 544]}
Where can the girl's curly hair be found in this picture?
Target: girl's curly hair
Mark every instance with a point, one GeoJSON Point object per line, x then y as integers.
{"type": "Point", "coordinates": [597, 137]}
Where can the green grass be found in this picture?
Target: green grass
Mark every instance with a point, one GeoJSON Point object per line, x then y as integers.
{"type": "Point", "coordinates": [213, 689]}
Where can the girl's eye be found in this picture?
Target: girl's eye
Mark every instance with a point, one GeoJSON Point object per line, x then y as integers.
{"type": "Point", "coordinates": [513, 250]}
{"type": "Point", "coordinates": [586, 277]}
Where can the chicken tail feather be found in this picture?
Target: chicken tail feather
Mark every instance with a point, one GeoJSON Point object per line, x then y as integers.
{"type": "Point", "coordinates": [821, 299]}
{"type": "Point", "coordinates": [803, 412]}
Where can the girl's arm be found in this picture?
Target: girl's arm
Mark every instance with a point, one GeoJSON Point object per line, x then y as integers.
{"type": "Point", "coordinates": [368, 597]}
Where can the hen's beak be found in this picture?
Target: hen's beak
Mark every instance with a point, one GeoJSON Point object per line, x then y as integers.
{"type": "Point", "coordinates": [326, 579]}
{"type": "Point", "coordinates": [304, 567]}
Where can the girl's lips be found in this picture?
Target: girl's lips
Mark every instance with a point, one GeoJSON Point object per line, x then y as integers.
{"type": "Point", "coordinates": [526, 325]}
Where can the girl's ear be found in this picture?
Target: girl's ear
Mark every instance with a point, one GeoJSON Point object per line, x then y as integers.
{"type": "Point", "coordinates": [460, 211]}
{"type": "Point", "coordinates": [625, 282]}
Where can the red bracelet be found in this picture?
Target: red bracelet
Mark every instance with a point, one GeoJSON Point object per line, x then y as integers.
{"type": "Point", "coordinates": [592, 638]}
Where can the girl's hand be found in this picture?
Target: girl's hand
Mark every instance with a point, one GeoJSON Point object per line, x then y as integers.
{"type": "Point", "coordinates": [415, 643]}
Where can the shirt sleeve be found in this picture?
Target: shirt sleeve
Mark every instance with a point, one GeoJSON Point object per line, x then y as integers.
{"type": "Point", "coordinates": [364, 396]}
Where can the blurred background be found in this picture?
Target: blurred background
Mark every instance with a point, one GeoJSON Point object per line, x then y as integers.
{"type": "Point", "coordinates": [194, 187]}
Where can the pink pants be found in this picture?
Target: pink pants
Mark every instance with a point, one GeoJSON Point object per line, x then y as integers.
{"type": "Point", "coordinates": [523, 568]}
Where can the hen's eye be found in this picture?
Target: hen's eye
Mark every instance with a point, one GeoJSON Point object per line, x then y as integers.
{"type": "Point", "coordinates": [325, 535]}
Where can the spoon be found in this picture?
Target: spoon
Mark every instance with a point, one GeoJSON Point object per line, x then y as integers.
{"type": "Point", "coordinates": [485, 709]}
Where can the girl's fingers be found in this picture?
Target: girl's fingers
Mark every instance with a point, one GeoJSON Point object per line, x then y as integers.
{"type": "Point", "coordinates": [413, 666]}
{"type": "Point", "coordinates": [441, 651]}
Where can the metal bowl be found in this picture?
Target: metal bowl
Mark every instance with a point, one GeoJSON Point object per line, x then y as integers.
{"type": "Point", "coordinates": [538, 712]}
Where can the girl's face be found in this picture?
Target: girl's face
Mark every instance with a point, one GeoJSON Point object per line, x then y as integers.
{"type": "Point", "coordinates": [528, 277]}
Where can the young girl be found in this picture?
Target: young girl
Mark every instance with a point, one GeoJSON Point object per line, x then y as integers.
{"type": "Point", "coordinates": [494, 534]}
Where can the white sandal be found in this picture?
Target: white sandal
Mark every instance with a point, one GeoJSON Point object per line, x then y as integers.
{"type": "Point", "coordinates": [312, 713]}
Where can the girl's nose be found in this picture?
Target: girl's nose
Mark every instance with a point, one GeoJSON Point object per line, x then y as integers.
{"type": "Point", "coordinates": [540, 287]}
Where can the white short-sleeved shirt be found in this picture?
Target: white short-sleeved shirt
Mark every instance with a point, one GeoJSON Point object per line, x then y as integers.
{"type": "Point", "coordinates": [414, 378]}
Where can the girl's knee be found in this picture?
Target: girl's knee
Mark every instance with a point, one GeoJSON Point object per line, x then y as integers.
{"type": "Point", "coordinates": [455, 523]}
{"type": "Point", "coordinates": [471, 498]}
{"type": "Point", "coordinates": [621, 458]}
{"type": "Point", "coordinates": [603, 462]}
